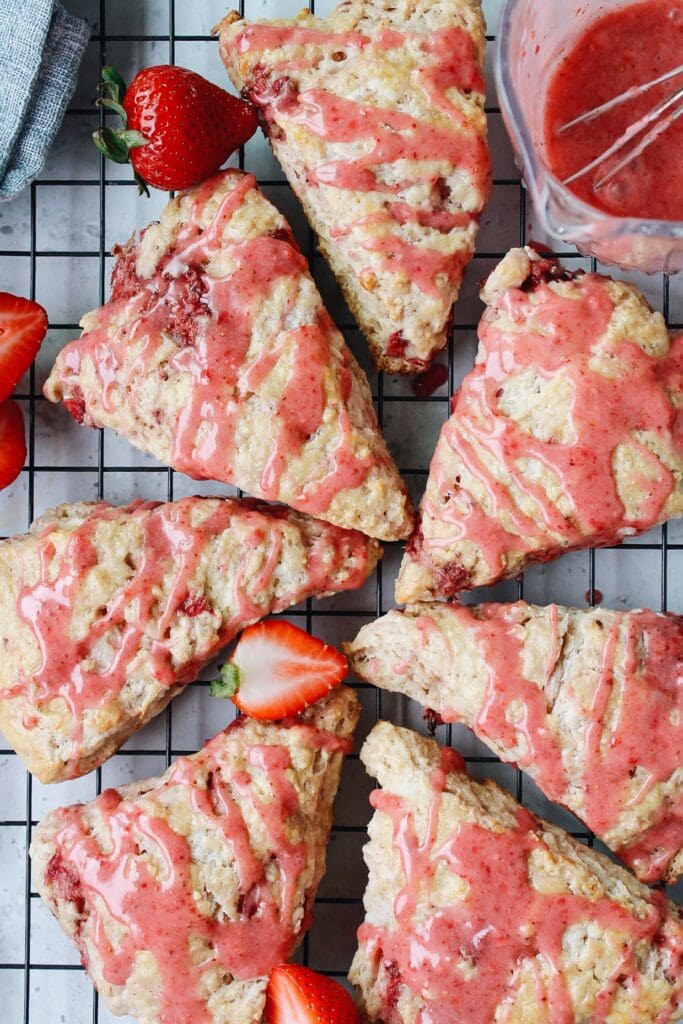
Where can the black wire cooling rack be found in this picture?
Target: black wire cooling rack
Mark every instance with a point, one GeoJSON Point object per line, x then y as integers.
{"type": "Point", "coordinates": [41, 981]}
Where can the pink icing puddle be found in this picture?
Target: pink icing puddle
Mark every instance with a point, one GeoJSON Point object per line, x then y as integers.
{"type": "Point", "coordinates": [450, 63]}
{"type": "Point", "coordinates": [647, 734]}
{"type": "Point", "coordinates": [158, 909]}
{"type": "Point", "coordinates": [606, 411]}
{"type": "Point", "coordinates": [134, 621]}
{"type": "Point", "coordinates": [216, 319]}
{"type": "Point", "coordinates": [466, 958]}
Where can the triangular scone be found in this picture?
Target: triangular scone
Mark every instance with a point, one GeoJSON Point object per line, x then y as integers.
{"type": "Point", "coordinates": [377, 117]}
{"type": "Point", "coordinates": [590, 703]}
{"type": "Point", "coordinates": [478, 912]}
{"type": "Point", "coordinates": [216, 355]}
{"type": "Point", "coordinates": [568, 432]}
{"type": "Point", "coordinates": [107, 613]}
{"type": "Point", "coordinates": [183, 892]}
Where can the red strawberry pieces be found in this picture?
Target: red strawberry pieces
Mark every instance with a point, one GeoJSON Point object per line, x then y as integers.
{"type": "Point", "coordinates": [297, 995]}
{"type": "Point", "coordinates": [12, 443]}
{"type": "Point", "coordinates": [277, 670]}
{"type": "Point", "coordinates": [23, 324]}
{"type": "Point", "coordinates": [178, 128]}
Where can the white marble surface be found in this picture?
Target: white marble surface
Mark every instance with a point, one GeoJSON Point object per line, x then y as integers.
{"type": "Point", "coordinates": [67, 224]}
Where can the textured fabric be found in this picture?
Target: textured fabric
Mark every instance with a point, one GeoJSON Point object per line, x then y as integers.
{"type": "Point", "coordinates": [41, 47]}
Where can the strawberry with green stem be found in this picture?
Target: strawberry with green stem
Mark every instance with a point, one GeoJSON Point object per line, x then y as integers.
{"type": "Point", "coordinates": [178, 128]}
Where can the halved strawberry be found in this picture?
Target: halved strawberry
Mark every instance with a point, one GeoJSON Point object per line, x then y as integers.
{"type": "Point", "coordinates": [277, 670]}
{"type": "Point", "coordinates": [23, 324]}
{"type": "Point", "coordinates": [297, 995]}
{"type": "Point", "coordinates": [12, 443]}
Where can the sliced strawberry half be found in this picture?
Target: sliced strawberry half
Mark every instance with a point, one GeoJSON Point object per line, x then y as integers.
{"type": "Point", "coordinates": [12, 443]}
{"type": "Point", "coordinates": [297, 995]}
{"type": "Point", "coordinates": [23, 324]}
{"type": "Point", "coordinates": [277, 670]}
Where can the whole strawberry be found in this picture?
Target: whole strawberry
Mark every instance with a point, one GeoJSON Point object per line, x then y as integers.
{"type": "Point", "coordinates": [178, 128]}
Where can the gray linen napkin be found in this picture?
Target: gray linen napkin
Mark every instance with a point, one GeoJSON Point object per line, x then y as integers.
{"type": "Point", "coordinates": [41, 47]}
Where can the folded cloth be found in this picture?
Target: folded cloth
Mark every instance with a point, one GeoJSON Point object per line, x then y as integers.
{"type": "Point", "coordinates": [41, 47]}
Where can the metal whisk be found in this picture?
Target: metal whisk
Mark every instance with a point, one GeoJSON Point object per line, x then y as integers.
{"type": "Point", "coordinates": [656, 121]}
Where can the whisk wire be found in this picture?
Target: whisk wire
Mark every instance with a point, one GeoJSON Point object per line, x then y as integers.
{"type": "Point", "coordinates": [647, 140]}
{"type": "Point", "coordinates": [632, 132]}
{"type": "Point", "coordinates": [623, 97]}
{"type": "Point", "coordinates": [654, 124]}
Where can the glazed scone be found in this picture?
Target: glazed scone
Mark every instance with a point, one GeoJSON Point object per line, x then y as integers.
{"type": "Point", "coordinates": [568, 432]}
{"type": "Point", "coordinates": [107, 613]}
{"type": "Point", "coordinates": [216, 355]}
{"type": "Point", "coordinates": [589, 703]}
{"type": "Point", "coordinates": [376, 114]}
{"type": "Point", "coordinates": [183, 892]}
{"type": "Point", "coordinates": [480, 913]}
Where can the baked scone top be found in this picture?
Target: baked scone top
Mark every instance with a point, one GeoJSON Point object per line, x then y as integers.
{"type": "Point", "coordinates": [477, 911]}
{"type": "Point", "coordinates": [184, 891]}
{"type": "Point", "coordinates": [567, 433]}
{"type": "Point", "coordinates": [106, 613]}
{"type": "Point", "coordinates": [216, 355]}
{"type": "Point", "coordinates": [590, 703]}
{"type": "Point", "coordinates": [377, 116]}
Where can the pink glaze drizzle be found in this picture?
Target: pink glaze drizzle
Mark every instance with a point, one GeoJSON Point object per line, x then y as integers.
{"type": "Point", "coordinates": [500, 643]}
{"type": "Point", "coordinates": [651, 854]}
{"type": "Point", "coordinates": [648, 732]}
{"type": "Point", "coordinates": [213, 321]}
{"type": "Point", "coordinates": [134, 622]}
{"type": "Point", "coordinates": [448, 62]}
{"type": "Point", "coordinates": [606, 411]}
{"type": "Point", "coordinates": [159, 912]}
{"type": "Point", "coordinates": [646, 736]}
{"type": "Point", "coordinates": [465, 959]}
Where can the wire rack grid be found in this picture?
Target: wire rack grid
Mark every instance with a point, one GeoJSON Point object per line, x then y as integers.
{"type": "Point", "coordinates": [54, 245]}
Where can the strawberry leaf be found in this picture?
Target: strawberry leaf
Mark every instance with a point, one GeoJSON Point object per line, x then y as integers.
{"type": "Point", "coordinates": [132, 138]}
{"type": "Point", "coordinates": [112, 104]}
{"type": "Point", "coordinates": [229, 682]}
{"type": "Point", "coordinates": [109, 144]}
{"type": "Point", "coordinates": [116, 144]}
{"type": "Point", "coordinates": [141, 183]}
{"type": "Point", "coordinates": [113, 83]}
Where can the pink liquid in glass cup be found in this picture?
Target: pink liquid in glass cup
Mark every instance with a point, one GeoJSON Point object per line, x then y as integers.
{"type": "Point", "coordinates": [533, 37]}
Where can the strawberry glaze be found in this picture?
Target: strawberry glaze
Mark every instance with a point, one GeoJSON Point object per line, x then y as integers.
{"type": "Point", "coordinates": [139, 618]}
{"type": "Point", "coordinates": [213, 321]}
{"type": "Point", "coordinates": [625, 47]}
{"type": "Point", "coordinates": [646, 736]}
{"type": "Point", "coordinates": [447, 62]}
{"type": "Point", "coordinates": [500, 645]}
{"type": "Point", "coordinates": [648, 731]}
{"type": "Point", "coordinates": [467, 957]}
{"type": "Point", "coordinates": [556, 335]}
{"type": "Point", "coordinates": [159, 909]}
{"type": "Point", "coordinates": [652, 853]}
